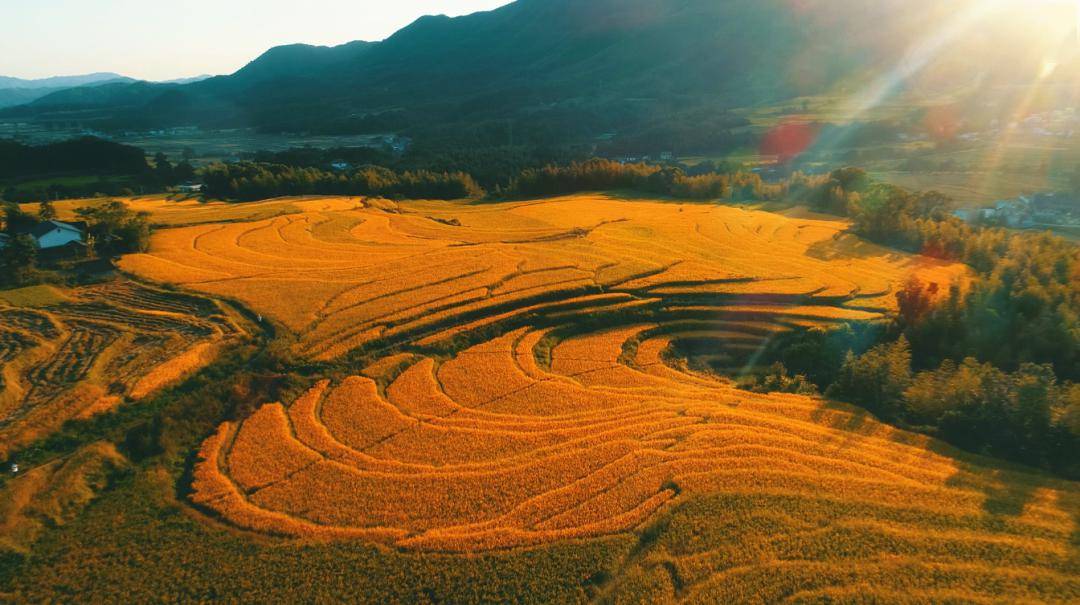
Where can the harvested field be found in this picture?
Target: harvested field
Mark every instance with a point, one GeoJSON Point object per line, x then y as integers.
{"type": "Point", "coordinates": [83, 353]}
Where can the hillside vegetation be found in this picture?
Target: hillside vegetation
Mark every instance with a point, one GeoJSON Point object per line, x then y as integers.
{"type": "Point", "coordinates": [561, 70]}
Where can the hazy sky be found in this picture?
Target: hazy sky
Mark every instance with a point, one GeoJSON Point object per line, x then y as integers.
{"type": "Point", "coordinates": [162, 39]}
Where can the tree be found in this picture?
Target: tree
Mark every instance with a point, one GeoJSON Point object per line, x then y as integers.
{"type": "Point", "coordinates": [184, 171]}
{"type": "Point", "coordinates": [877, 379]}
{"type": "Point", "coordinates": [46, 211]}
{"type": "Point", "coordinates": [1035, 390]}
{"type": "Point", "coordinates": [18, 259]}
{"type": "Point", "coordinates": [15, 220]}
{"type": "Point", "coordinates": [115, 228]}
{"type": "Point", "coordinates": [163, 170]}
{"type": "Point", "coordinates": [915, 301]}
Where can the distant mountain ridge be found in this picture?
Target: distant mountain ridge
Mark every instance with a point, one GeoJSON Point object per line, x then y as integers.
{"type": "Point", "coordinates": [61, 81]}
{"type": "Point", "coordinates": [18, 91]}
{"type": "Point", "coordinates": [548, 70]}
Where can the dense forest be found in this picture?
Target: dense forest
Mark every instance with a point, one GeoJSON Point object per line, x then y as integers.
{"type": "Point", "coordinates": [87, 155]}
{"type": "Point", "coordinates": [83, 167]}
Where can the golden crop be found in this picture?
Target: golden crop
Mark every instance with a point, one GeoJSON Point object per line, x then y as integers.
{"type": "Point", "coordinates": [491, 450]}
{"type": "Point", "coordinates": [561, 418]}
{"type": "Point", "coordinates": [356, 275]}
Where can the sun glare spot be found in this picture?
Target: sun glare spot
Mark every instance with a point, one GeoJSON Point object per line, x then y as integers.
{"type": "Point", "coordinates": [1048, 69]}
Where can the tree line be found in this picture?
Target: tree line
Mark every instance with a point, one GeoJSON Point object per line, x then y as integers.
{"type": "Point", "coordinates": [40, 173]}
{"type": "Point", "coordinates": [253, 180]}
{"type": "Point", "coordinates": [82, 155]}
{"type": "Point", "coordinates": [248, 181]}
{"type": "Point", "coordinates": [990, 365]}
{"type": "Point", "coordinates": [604, 175]}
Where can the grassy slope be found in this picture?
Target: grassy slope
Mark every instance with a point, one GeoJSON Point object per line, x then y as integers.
{"type": "Point", "coordinates": [32, 296]}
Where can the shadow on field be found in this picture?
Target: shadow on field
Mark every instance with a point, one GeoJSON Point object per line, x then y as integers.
{"type": "Point", "coordinates": [1009, 489]}
{"type": "Point", "coordinates": [852, 424]}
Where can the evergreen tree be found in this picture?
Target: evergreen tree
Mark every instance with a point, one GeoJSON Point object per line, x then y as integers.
{"type": "Point", "coordinates": [18, 259]}
{"type": "Point", "coordinates": [163, 170]}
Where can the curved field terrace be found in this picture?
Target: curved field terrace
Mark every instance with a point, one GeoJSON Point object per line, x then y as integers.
{"type": "Point", "coordinates": [513, 386]}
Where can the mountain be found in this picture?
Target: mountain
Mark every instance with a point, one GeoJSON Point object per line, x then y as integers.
{"type": "Point", "coordinates": [58, 82]}
{"type": "Point", "coordinates": [191, 80]}
{"type": "Point", "coordinates": [557, 70]}
{"type": "Point", "coordinates": [11, 97]}
{"type": "Point", "coordinates": [17, 91]}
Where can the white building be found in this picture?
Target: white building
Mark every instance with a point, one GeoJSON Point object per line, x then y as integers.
{"type": "Point", "coordinates": [57, 234]}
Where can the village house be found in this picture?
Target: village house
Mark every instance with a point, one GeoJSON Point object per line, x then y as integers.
{"type": "Point", "coordinates": [56, 238]}
{"type": "Point", "coordinates": [57, 234]}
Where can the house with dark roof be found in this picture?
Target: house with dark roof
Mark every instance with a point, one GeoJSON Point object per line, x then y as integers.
{"type": "Point", "coordinates": [50, 235]}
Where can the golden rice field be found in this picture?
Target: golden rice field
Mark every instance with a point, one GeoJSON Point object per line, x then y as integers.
{"type": "Point", "coordinates": [85, 350]}
{"type": "Point", "coordinates": [516, 393]}
{"type": "Point", "coordinates": [345, 275]}
{"type": "Point", "coordinates": [756, 494]}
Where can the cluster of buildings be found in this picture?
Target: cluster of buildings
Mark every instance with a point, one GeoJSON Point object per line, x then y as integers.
{"type": "Point", "coordinates": [1025, 212]}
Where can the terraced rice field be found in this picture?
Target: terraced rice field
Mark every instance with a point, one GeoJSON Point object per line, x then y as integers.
{"type": "Point", "coordinates": [99, 345]}
{"type": "Point", "coordinates": [756, 494]}
{"type": "Point", "coordinates": [515, 392]}
{"type": "Point", "coordinates": [345, 275]}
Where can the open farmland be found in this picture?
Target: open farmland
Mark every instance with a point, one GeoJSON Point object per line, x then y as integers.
{"type": "Point", "coordinates": [510, 388]}
{"type": "Point", "coordinates": [347, 276]}
{"type": "Point", "coordinates": [85, 350]}
{"type": "Point", "coordinates": [742, 494]}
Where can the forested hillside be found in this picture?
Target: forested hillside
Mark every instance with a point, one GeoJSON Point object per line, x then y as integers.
{"type": "Point", "coordinates": [555, 70]}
